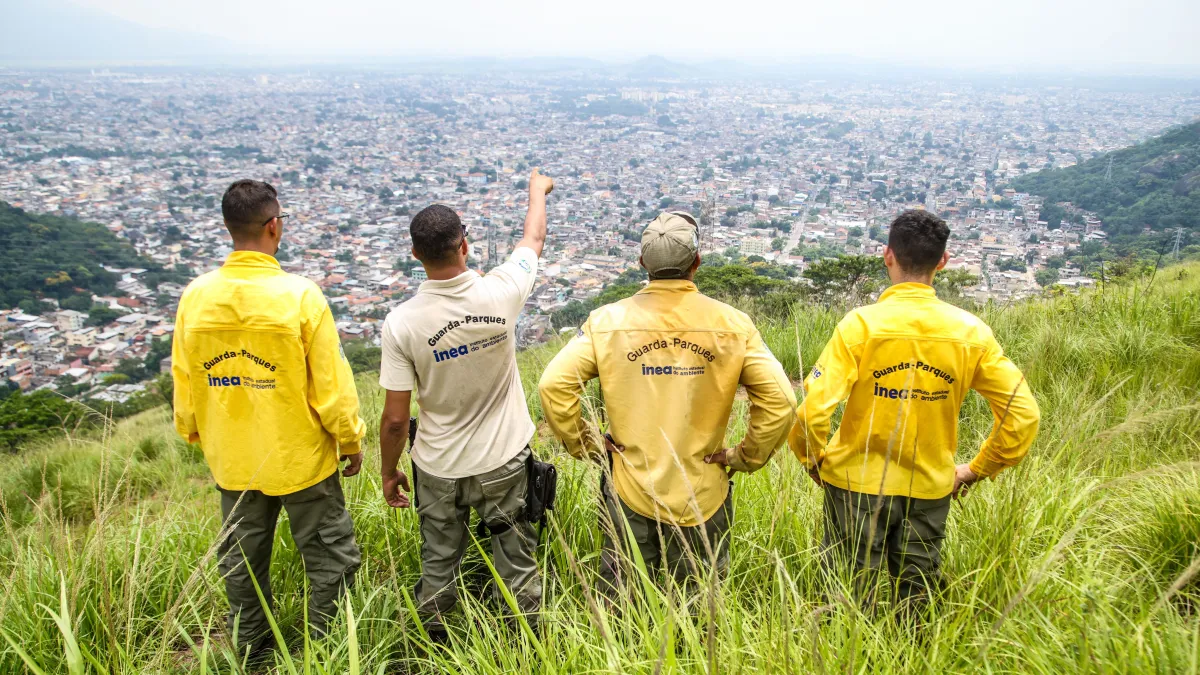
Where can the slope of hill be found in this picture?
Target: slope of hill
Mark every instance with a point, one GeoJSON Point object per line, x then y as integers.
{"type": "Point", "coordinates": [1155, 184]}
{"type": "Point", "coordinates": [58, 32]}
{"type": "Point", "coordinates": [44, 256]}
{"type": "Point", "coordinates": [1083, 559]}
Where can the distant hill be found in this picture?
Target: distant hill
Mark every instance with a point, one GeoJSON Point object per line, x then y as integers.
{"type": "Point", "coordinates": [1156, 183]}
{"type": "Point", "coordinates": [53, 257]}
{"type": "Point", "coordinates": [56, 32]}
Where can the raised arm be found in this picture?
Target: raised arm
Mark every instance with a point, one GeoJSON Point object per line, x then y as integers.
{"type": "Point", "coordinates": [534, 236]}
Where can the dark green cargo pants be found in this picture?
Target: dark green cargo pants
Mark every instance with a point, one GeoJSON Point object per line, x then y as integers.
{"type": "Point", "coordinates": [444, 508]}
{"type": "Point", "coordinates": [324, 536]}
{"type": "Point", "coordinates": [685, 551]}
{"type": "Point", "coordinates": [863, 531]}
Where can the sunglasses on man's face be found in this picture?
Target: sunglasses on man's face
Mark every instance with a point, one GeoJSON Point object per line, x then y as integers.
{"type": "Point", "coordinates": [281, 216]}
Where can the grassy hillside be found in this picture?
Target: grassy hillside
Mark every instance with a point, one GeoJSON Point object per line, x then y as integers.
{"type": "Point", "coordinates": [1155, 184]}
{"type": "Point", "coordinates": [1084, 559]}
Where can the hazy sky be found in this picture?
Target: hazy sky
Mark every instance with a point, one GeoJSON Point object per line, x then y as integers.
{"type": "Point", "coordinates": [1084, 34]}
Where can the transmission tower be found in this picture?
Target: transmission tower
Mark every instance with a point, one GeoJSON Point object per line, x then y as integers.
{"type": "Point", "coordinates": [708, 215]}
{"type": "Point", "coordinates": [1108, 171]}
{"type": "Point", "coordinates": [491, 244]}
{"type": "Point", "coordinates": [1178, 241]}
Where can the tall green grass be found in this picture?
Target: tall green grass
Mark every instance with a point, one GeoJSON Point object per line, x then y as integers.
{"type": "Point", "coordinates": [1086, 558]}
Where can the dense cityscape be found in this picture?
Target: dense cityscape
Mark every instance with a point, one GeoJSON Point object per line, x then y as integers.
{"type": "Point", "coordinates": [780, 174]}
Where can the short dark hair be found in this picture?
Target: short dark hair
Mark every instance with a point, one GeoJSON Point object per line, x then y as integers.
{"type": "Point", "coordinates": [918, 240]}
{"type": "Point", "coordinates": [248, 204]}
{"type": "Point", "coordinates": [436, 232]}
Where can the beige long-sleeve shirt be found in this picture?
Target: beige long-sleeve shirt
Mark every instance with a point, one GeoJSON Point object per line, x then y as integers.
{"type": "Point", "coordinates": [670, 360]}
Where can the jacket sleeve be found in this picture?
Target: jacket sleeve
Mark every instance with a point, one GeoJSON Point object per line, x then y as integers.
{"type": "Point", "coordinates": [772, 403]}
{"type": "Point", "coordinates": [1014, 409]}
{"type": "Point", "coordinates": [181, 396]}
{"type": "Point", "coordinates": [331, 391]}
{"type": "Point", "coordinates": [827, 385]}
{"type": "Point", "coordinates": [561, 390]}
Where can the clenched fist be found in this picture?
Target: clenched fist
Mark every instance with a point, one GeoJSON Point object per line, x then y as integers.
{"type": "Point", "coordinates": [539, 184]}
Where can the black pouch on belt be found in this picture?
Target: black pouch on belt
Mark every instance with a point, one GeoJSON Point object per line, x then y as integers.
{"type": "Point", "coordinates": [542, 490]}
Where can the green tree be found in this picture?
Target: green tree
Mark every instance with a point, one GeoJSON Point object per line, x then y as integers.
{"type": "Point", "coordinates": [101, 315]}
{"type": "Point", "coordinates": [1011, 265]}
{"type": "Point", "coordinates": [850, 278]}
{"type": "Point", "coordinates": [952, 282]}
{"type": "Point", "coordinates": [363, 356]}
{"type": "Point", "coordinates": [81, 302]}
{"type": "Point", "coordinates": [1046, 277]}
{"type": "Point", "coordinates": [159, 350]}
{"type": "Point", "coordinates": [736, 281]}
{"type": "Point", "coordinates": [25, 417]}
{"type": "Point", "coordinates": [576, 311]}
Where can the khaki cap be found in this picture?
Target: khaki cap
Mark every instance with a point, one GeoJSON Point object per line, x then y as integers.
{"type": "Point", "coordinates": [669, 245]}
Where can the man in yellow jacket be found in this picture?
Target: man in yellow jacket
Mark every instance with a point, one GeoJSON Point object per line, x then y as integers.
{"type": "Point", "coordinates": [904, 365]}
{"type": "Point", "coordinates": [262, 385]}
{"type": "Point", "coordinates": [670, 361]}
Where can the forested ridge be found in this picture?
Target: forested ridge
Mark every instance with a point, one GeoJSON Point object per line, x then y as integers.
{"type": "Point", "coordinates": [43, 256]}
{"type": "Point", "coordinates": [1155, 183]}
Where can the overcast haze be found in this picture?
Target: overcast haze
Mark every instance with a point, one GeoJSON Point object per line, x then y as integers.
{"type": "Point", "coordinates": [1093, 35]}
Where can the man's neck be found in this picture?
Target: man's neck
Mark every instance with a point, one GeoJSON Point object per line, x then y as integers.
{"type": "Point", "coordinates": [913, 279]}
{"type": "Point", "coordinates": [266, 247]}
{"type": "Point", "coordinates": [445, 273]}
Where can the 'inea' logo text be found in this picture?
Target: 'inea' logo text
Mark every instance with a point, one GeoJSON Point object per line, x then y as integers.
{"type": "Point", "coordinates": [234, 381]}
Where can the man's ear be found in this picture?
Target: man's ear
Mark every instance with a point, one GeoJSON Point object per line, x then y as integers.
{"type": "Point", "coordinates": [696, 263]}
{"type": "Point", "coordinates": [464, 248]}
{"type": "Point", "coordinates": [889, 258]}
{"type": "Point", "coordinates": [945, 259]}
{"type": "Point", "coordinates": [642, 263]}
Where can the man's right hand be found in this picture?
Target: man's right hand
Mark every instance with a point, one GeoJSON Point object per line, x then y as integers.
{"type": "Point", "coordinates": [610, 446]}
{"type": "Point", "coordinates": [391, 489]}
{"type": "Point", "coordinates": [539, 184]}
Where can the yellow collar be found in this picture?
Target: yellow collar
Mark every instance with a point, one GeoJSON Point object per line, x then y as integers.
{"type": "Point", "coordinates": [908, 289]}
{"type": "Point", "coordinates": [252, 259]}
{"type": "Point", "coordinates": [669, 286]}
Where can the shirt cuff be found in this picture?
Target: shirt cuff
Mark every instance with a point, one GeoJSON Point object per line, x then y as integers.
{"type": "Point", "coordinates": [983, 467]}
{"type": "Point", "coordinates": [736, 459]}
{"type": "Point", "coordinates": [349, 448]}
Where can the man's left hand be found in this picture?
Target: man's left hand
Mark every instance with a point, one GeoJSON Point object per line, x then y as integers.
{"type": "Point", "coordinates": [354, 466]}
{"type": "Point", "coordinates": [720, 458]}
{"type": "Point", "coordinates": [964, 478]}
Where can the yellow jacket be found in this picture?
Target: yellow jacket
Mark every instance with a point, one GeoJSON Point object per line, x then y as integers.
{"type": "Point", "coordinates": [260, 379]}
{"type": "Point", "coordinates": [906, 364]}
{"type": "Point", "coordinates": [669, 361]}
